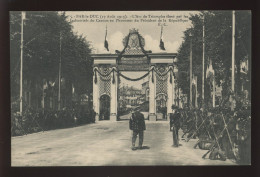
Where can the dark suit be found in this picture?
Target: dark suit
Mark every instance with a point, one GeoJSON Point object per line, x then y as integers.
{"type": "Point", "coordinates": [137, 124]}
{"type": "Point", "coordinates": [175, 126]}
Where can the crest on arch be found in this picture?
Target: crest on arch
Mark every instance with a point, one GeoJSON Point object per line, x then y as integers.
{"type": "Point", "coordinates": [133, 44]}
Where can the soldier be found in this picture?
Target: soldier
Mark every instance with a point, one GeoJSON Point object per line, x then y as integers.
{"type": "Point", "coordinates": [217, 154]}
{"type": "Point", "coordinates": [175, 125]}
{"type": "Point", "coordinates": [164, 111]}
{"type": "Point", "coordinates": [243, 128]}
{"type": "Point", "coordinates": [137, 124]}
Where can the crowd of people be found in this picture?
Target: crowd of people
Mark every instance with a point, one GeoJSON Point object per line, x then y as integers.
{"type": "Point", "coordinates": [224, 133]}
{"type": "Point", "coordinates": [42, 120]}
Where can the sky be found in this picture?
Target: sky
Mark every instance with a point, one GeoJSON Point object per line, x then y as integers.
{"type": "Point", "coordinates": [94, 32]}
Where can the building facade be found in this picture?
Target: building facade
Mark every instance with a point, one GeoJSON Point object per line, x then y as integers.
{"type": "Point", "coordinates": [129, 97]}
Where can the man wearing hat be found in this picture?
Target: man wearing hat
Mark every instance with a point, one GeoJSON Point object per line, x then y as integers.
{"type": "Point", "coordinates": [175, 125]}
{"type": "Point", "coordinates": [137, 124]}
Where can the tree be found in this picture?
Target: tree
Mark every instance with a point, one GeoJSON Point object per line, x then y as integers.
{"type": "Point", "coordinates": [183, 54]}
{"type": "Point", "coordinates": [44, 33]}
{"type": "Point", "coordinates": [218, 44]}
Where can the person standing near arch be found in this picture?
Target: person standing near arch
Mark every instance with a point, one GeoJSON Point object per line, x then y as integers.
{"type": "Point", "coordinates": [137, 125]}
{"type": "Point", "coordinates": [175, 125]}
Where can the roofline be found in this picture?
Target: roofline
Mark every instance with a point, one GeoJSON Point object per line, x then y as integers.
{"type": "Point", "coordinates": [162, 54]}
{"type": "Point", "coordinates": [149, 54]}
{"type": "Point", "coordinates": [104, 55]}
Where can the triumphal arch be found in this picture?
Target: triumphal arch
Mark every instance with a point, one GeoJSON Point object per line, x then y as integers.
{"type": "Point", "coordinates": [160, 69]}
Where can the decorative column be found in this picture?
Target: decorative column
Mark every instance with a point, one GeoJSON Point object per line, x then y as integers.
{"type": "Point", "coordinates": [169, 92]}
{"type": "Point", "coordinates": [113, 102]}
{"type": "Point", "coordinates": [96, 94]}
{"type": "Point", "coordinates": [152, 91]}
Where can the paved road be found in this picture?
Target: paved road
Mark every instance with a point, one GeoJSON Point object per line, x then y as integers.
{"type": "Point", "coordinates": [127, 116]}
{"type": "Point", "coordinates": [105, 143]}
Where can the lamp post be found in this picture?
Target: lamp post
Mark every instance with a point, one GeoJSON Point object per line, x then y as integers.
{"type": "Point", "coordinates": [203, 58]}
{"type": "Point", "coordinates": [196, 91]}
{"type": "Point", "coordinates": [21, 66]}
{"type": "Point", "coordinates": [59, 76]}
{"type": "Point", "coordinates": [190, 35]}
{"type": "Point", "coordinates": [233, 58]}
{"type": "Point", "coordinates": [22, 45]}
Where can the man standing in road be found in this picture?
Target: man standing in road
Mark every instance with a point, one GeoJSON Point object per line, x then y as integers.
{"type": "Point", "coordinates": [137, 124]}
{"type": "Point", "coordinates": [175, 125]}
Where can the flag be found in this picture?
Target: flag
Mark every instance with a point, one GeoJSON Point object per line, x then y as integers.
{"type": "Point", "coordinates": [52, 83]}
{"type": "Point", "coordinates": [210, 71]}
{"type": "Point", "coordinates": [244, 66]}
{"type": "Point", "coordinates": [73, 89]}
{"type": "Point", "coordinates": [193, 80]}
{"type": "Point", "coordinates": [45, 85]}
{"type": "Point", "coordinates": [106, 43]}
{"type": "Point", "coordinates": [23, 15]}
{"type": "Point", "coordinates": [161, 41]}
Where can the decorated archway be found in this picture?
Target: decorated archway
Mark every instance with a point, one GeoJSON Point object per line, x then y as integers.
{"type": "Point", "coordinates": [160, 69]}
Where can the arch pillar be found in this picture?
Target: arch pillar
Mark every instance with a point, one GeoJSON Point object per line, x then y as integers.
{"type": "Point", "coordinates": [96, 95]}
{"type": "Point", "coordinates": [152, 92]}
{"type": "Point", "coordinates": [113, 103]}
{"type": "Point", "coordinates": [170, 92]}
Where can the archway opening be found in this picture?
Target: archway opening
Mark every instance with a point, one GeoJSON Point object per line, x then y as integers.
{"type": "Point", "coordinates": [133, 94]}
{"type": "Point", "coordinates": [104, 108]}
{"type": "Point", "coordinates": [161, 107]}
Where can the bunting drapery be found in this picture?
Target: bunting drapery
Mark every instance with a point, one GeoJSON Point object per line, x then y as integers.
{"type": "Point", "coordinates": [95, 76]}
{"type": "Point", "coordinates": [171, 77]}
{"type": "Point", "coordinates": [113, 81]}
{"type": "Point", "coordinates": [152, 76]}
{"type": "Point", "coordinates": [134, 79]}
{"type": "Point", "coordinates": [131, 79]}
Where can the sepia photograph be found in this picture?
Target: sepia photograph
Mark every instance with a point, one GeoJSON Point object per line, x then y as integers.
{"type": "Point", "coordinates": [130, 88]}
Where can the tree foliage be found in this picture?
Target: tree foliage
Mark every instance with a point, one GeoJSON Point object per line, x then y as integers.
{"type": "Point", "coordinates": [218, 47]}
{"type": "Point", "coordinates": [48, 36]}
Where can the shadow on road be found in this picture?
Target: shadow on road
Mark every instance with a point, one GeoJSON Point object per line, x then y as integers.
{"type": "Point", "coordinates": [126, 117]}
{"type": "Point", "coordinates": [120, 119]}
{"type": "Point", "coordinates": [144, 147]}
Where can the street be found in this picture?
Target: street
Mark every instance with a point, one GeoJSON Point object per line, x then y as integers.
{"type": "Point", "coordinates": [105, 143]}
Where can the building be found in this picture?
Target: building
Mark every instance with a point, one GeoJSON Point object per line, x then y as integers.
{"type": "Point", "coordinates": [145, 91]}
{"type": "Point", "coordinates": [129, 97]}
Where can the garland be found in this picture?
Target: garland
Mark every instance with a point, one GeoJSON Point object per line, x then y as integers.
{"type": "Point", "coordinates": [107, 78]}
{"type": "Point", "coordinates": [163, 74]}
{"type": "Point", "coordinates": [113, 81]}
{"type": "Point", "coordinates": [137, 79]}
{"type": "Point", "coordinates": [152, 76]}
{"type": "Point", "coordinates": [131, 79]}
{"type": "Point", "coordinates": [171, 76]}
{"type": "Point", "coordinates": [95, 75]}
{"type": "Point", "coordinates": [104, 75]}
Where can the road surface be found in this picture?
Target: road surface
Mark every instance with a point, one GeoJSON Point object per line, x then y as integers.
{"type": "Point", "coordinates": [105, 143]}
